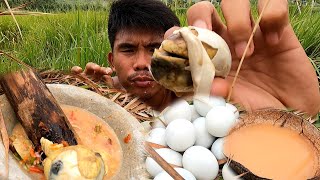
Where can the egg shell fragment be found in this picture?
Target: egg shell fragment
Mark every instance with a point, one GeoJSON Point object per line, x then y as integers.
{"type": "Point", "coordinates": [200, 162]}
{"type": "Point", "coordinates": [219, 121]}
{"type": "Point", "coordinates": [222, 60]}
{"type": "Point", "coordinates": [229, 174]}
{"type": "Point", "coordinates": [180, 135]}
{"type": "Point", "coordinates": [203, 138]}
{"type": "Point", "coordinates": [169, 155]}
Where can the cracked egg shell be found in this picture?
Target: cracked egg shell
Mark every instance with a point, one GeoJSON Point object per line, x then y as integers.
{"type": "Point", "coordinates": [170, 63]}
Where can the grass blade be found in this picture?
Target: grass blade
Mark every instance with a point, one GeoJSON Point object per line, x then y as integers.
{"type": "Point", "coordinates": [14, 18]}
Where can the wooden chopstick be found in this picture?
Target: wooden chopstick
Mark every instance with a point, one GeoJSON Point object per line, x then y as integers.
{"type": "Point", "coordinates": [166, 166]}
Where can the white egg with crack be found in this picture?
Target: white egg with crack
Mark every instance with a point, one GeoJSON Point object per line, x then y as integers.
{"type": "Point", "coordinates": [203, 104]}
{"type": "Point", "coordinates": [200, 162]}
{"type": "Point", "coordinates": [157, 136]}
{"type": "Point", "coordinates": [187, 175]}
{"type": "Point", "coordinates": [219, 121]}
{"type": "Point", "coordinates": [180, 135]}
{"type": "Point", "coordinates": [203, 138]}
{"type": "Point", "coordinates": [178, 110]}
{"type": "Point", "coordinates": [222, 60]}
{"type": "Point", "coordinates": [229, 174]}
{"type": "Point", "coordinates": [194, 114]}
{"type": "Point", "coordinates": [169, 155]}
{"type": "Point", "coordinates": [217, 149]}
{"type": "Point", "coordinates": [233, 109]}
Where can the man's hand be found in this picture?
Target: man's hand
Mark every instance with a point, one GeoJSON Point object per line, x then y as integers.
{"type": "Point", "coordinates": [276, 71]}
{"type": "Point", "coordinates": [95, 73]}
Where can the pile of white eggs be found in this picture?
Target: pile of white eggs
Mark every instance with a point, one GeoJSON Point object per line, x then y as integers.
{"type": "Point", "coordinates": [186, 134]}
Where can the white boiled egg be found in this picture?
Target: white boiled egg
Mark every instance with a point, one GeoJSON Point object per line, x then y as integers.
{"type": "Point", "coordinates": [229, 174]}
{"type": "Point", "coordinates": [180, 135]}
{"type": "Point", "coordinates": [178, 110]}
{"type": "Point", "coordinates": [219, 121]}
{"type": "Point", "coordinates": [169, 155]}
{"type": "Point", "coordinates": [233, 109]}
{"type": "Point", "coordinates": [203, 104]}
{"type": "Point", "coordinates": [203, 138]}
{"type": "Point", "coordinates": [217, 149]}
{"type": "Point", "coordinates": [157, 136]}
{"type": "Point", "coordinates": [200, 162]}
{"type": "Point", "coordinates": [184, 173]}
{"type": "Point", "coordinates": [194, 114]}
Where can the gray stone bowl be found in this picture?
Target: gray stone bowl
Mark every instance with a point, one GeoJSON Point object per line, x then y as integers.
{"type": "Point", "coordinates": [114, 115]}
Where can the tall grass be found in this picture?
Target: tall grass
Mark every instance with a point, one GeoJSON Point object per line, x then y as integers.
{"type": "Point", "coordinates": [62, 40]}
{"type": "Point", "coordinates": [307, 27]}
{"type": "Point", "coordinates": [56, 41]}
{"type": "Point", "coordinates": [59, 5]}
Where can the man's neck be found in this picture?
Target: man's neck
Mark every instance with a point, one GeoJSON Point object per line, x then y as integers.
{"type": "Point", "coordinates": [159, 102]}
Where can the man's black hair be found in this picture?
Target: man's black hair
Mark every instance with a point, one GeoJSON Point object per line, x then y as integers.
{"type": "Point", "coordinates": [150, 15]}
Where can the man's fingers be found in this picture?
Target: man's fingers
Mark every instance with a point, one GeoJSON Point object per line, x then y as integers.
{"type": "Point", "coordinates": [106, 71]}
{"type": "Point", "coordinates": [238, 18]}
{"type": "Point", "coordinates": [76, 70]}
{"type": "Point", "coordinates": [203, 19]}
{"type": "Point", "coordinates": [220, 87]}
{"type": "Point", "coordinates": [108, 80]}
{"type": "Point", "coordinates": [91, 68]}
{"type": "Point", "coordinates": [204, 15]}
{"type": "Point", "coordinates": [274, 19]}
{"type": "Point", "coordinates": [100, 71]}
{"type": "Point", "coordinates": [94, 72]}
{"type": "Point", "coordinates": [170, 31]}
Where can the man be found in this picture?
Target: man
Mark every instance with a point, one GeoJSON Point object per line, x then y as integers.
{"type": "Point", "coordinates": [276, 72]}
{"type": "Point", "coordinates": [135, 29]}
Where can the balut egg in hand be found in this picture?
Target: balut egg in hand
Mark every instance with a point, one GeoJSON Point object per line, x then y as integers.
{"type": "Point", "coordinates": [72, 162]}
{"type": "Point", "coordinates": [189, 59]}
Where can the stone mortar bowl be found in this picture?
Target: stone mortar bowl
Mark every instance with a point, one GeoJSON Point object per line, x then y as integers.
{"type": "Point", "coordinates": [114, 115]}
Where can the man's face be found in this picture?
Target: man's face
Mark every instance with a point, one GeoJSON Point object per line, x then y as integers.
{"type": "Point", "coordinates": [131, 59]}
